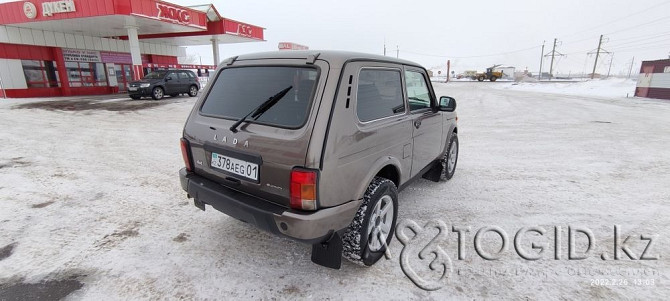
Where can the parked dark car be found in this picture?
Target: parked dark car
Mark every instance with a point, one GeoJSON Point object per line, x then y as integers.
{"type": "Point", "coordinates": [165, 82]}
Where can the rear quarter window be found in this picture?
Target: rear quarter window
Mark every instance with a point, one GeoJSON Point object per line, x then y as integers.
{"type": "Point", "coordinates": [379, 94]}
{"type": "Point", "coordinates": [238, 91]}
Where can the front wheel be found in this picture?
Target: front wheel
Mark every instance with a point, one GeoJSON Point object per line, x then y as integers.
{"type": "Point", "coordinates": [157, 93]}
{"type": "Point", "coordinates": [481, 78]}
{"type": "Point", "coordinates": [193, 91]}
{"type": "Point", "coordinates": [493, 78]}
{"type": "Point", "coordinates": [366, 239]}
{"type": "Point", "coordinates": [450, 159]}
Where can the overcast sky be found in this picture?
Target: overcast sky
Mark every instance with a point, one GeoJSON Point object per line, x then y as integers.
{"type": "Point", "coordinates": [473, 34]}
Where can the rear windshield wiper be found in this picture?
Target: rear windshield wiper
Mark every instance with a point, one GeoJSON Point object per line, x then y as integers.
{"type": "Point", "coordinates": [258, 111]}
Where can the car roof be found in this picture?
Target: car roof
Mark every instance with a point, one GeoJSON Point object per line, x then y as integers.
{"type": "Point", "coordinates": [334, 57]}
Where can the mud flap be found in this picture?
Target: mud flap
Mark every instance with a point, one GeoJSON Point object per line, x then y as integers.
{"type": "Point", "coordinates": [329, 253]}
{"type": "Point", "coordinates": [434, 173]}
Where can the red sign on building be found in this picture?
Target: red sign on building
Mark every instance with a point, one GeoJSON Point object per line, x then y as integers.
{"type": "Point", "coordinates": [174, 14]}
{"type": "Point", "coordinates": [291, 46]}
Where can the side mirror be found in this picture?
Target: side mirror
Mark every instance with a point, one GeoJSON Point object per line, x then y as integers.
{"type": "Point", "coordinates": [447, 104]}
{"type": "Point", "coordinates": [168, 78]}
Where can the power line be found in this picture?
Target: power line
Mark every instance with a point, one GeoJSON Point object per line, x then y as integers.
{"type": "Point", "coordinates": [474, 56]}
{"type": "Point", "coordinates": [638, 44]}
{"type": "Point", "coordinates": [643, 37]}
{"type": "Point", "coordinates": [617, 20]}
{"type": "Point", "coordinates": [632, 43]}
{"type": "Point", "coordinates": [640, 25]}
{"type": "Point", "coordinates": [641, 49]}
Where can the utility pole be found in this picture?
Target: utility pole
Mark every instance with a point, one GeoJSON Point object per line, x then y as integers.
{"type": "Point", "coordinates": [539, 75]}
{"type": "Point", "coordinates": [595, 64]}
{"type": "Point", "coordinates": [551, 66]}
{"type": "Point", "coordinates": [631, 67]}
{"type": "Point", "coordinates": [448, 69]}
{"type": "Point", "coordinates": [384, 46]}
{"type": "Point", "coordinates": [553, 55]}
{"type": "Point", "coordinates": [610, 68]}
{"type": "Point", "coordinates": [397, 51]}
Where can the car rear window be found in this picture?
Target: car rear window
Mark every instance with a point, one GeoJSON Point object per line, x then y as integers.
{"type": "Point", "coordinates": [238, 91]}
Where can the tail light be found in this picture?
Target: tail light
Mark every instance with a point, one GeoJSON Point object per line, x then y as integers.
{"type": "Point", "coordinates": [186, 154]}
{"type": "Point", "coordinates": [303, 189]}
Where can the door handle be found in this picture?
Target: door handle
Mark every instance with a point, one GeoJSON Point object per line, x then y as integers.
{"type": "Point", "coordinates": [417, 124]}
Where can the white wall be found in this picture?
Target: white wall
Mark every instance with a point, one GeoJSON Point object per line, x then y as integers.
{"type": "Point", "coordinates": [659, 80]}
{"type": "Point", "coordinates": [11, 73]}
{"type": "Point", "coordinates": [27, 36]}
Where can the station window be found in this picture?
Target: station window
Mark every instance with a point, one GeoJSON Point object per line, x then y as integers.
{"type": "Point", "coordinates": [40, 74]}
{"type": "Point", "coordinates": [666, 69]}
{"type": "Point", "coordinates": [86, 74]}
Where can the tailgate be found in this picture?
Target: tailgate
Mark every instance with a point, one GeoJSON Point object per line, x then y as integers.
{"type": "Point", "coordinates": [258, 157]}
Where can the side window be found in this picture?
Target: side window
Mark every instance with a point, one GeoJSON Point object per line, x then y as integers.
{"type": "Point", "coordinates": [417, 91]}
{"type": "Point", "coordinates": [183, 75]}
{"type": "Point", "coordinates": [191, 74]}
{"type": "Point", "coordinates": [379, 94]}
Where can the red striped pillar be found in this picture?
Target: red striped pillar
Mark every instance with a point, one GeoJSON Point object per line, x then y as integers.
{"type": "Point", "coordinates": [138, 73]}
{"type": "Point", "coordinates": [135, 52]}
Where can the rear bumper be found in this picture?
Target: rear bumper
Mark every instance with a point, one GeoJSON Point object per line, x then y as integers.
{"type": "Point", "coordinates": [307, 227]}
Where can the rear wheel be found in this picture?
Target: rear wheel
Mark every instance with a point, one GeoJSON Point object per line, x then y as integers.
{"type": "Point", "coordinates": [157, 93]}
{"type": "Point", "coordinates": [493, 78]}
{"type": "Point", "coordinates": [450, 159]}
{"type": "Point", "coordinates": [193, 91]}
{"type": "Point", "coordinates": [365, 240]}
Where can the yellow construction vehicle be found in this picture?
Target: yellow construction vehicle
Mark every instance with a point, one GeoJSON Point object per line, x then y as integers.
{"type": "Point", "coordinates": [489, 74]}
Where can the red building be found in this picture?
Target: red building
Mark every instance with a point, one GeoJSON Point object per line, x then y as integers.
{"type": "Point", "coordinates": [87, 47]}
{"type": "Point", "coordinates": [654, 80]}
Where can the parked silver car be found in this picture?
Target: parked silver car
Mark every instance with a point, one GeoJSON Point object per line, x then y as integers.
{"type": "Point", "coordinates": [315, 145]}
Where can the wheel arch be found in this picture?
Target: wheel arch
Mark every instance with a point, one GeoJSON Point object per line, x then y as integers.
{"type": "Point", "coordinates": [452, 130]}
{"type": "Point", "coordinates": [386, 167]}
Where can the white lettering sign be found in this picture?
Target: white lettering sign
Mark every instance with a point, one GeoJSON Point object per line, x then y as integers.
{"type": "Point", "coordinates": [78, 55]}
{"type": "Point", "coordinates": [244, 30]}
{"type": "Point", "coordinates": [57, 7]}
{"type": "Point", "coordinates": [171, 13]}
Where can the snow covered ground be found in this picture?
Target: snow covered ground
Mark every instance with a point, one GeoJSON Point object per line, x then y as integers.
{"type": "Point", "coordinates": [91, 207]}
{"type": "Point", "coordinates": [613, 87]}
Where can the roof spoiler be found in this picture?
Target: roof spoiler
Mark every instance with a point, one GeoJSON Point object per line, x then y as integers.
{"type": "Point", "coordinates": [312, 58]}
{"type": "Point", "coordinates": [230, 61]}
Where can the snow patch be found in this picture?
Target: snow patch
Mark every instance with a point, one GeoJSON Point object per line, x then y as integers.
{"type": "Point", "coordinates": [615, 87]}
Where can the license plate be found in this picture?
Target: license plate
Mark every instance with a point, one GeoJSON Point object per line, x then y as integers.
{"type": "Point", "coordinates": [235, 166]}
{"type": "Point", "coordinates": [132, 88]}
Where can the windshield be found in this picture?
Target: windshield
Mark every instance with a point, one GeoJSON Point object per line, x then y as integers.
{"type": "Point", "coordinates": [238, 91]}
{"type": "Point", "coordinates": [156, 75]}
